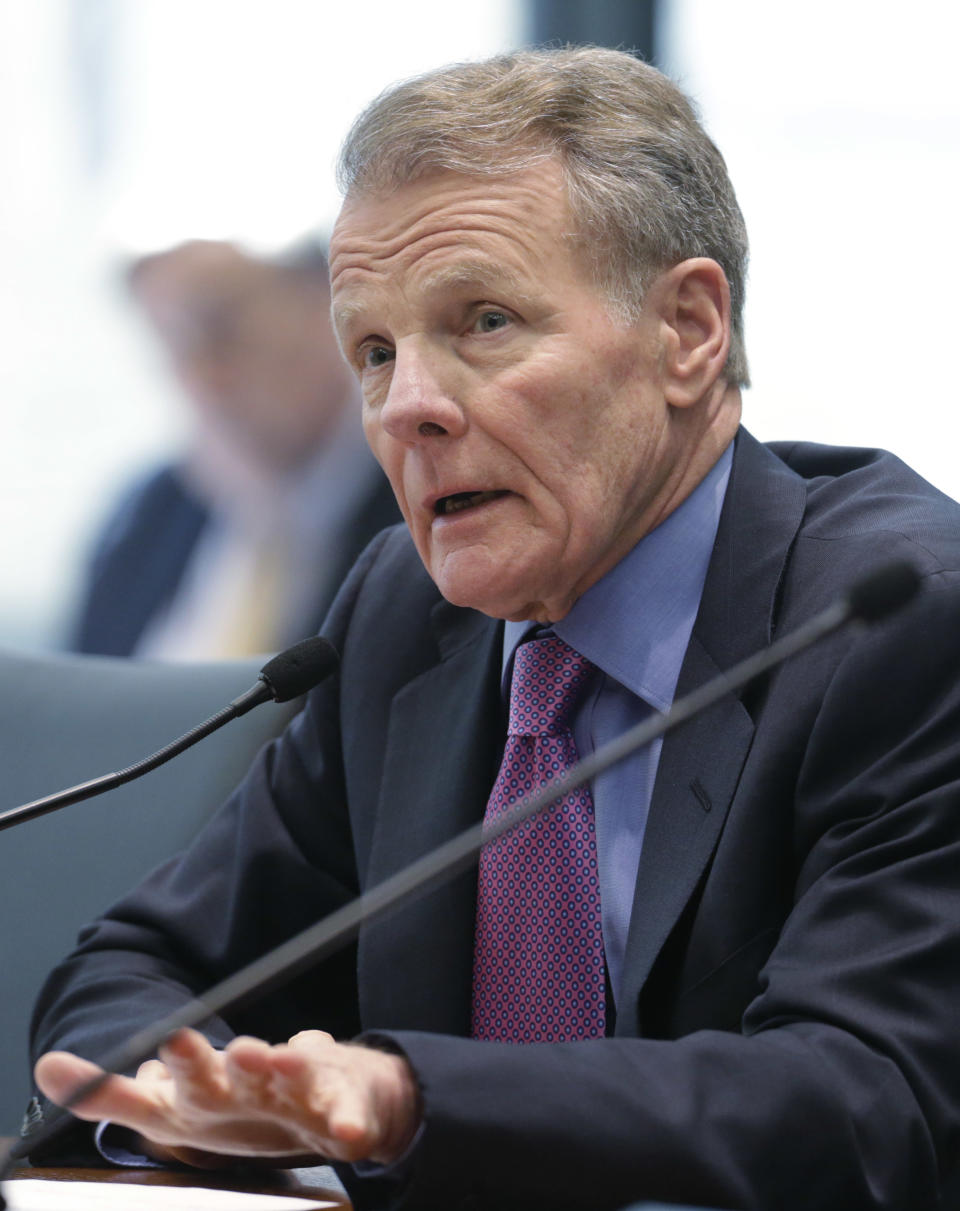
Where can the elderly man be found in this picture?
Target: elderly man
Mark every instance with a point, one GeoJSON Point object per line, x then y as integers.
{"type": "Point", "coordinates": [727, 974]}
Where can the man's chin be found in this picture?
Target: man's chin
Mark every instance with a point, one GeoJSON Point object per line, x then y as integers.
{"type": "Point", "coordinates": [500, 584]}
{"type": "Point", "coordinates": [514, 606]}
{"type": "Point", "coordinates": [479, 597]}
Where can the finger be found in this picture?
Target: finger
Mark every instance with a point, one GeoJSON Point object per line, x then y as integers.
{"type": "Point", "coordinates": [60, 1076]}
{"type": "Point", "coordinates": [351, 1123]}
{"type": "Point", "coordinates": [187, 1045]}
{"type": "Point", "coordinates": [254, 1053]}
{"type": "Point", "coordinates": [196, 1068]}
{"type": "Point", "coordinates": [310, 1038]}
{"type": "Point", "coordinates": [350, 1103]}
{"type": "Point", "coordinates": [249, 1073]}
{"type": "Point", "coordinates": [151, 1070]}
{"type": "Point", "coordinates": [322, 1099]}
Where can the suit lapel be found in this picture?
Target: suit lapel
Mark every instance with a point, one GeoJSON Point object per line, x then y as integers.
{"type": "Point", "coordinates": [443, 749]}
{"type": "Point", "coordinates": [698, 773]}
{"type": "Point", "coordinates": [444, 745]}
{"type": "Point", "coordinates": [701, 762]}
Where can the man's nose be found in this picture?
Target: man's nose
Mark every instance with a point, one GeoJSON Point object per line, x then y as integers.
{"type": "Point", "coordinates": [422, 402]}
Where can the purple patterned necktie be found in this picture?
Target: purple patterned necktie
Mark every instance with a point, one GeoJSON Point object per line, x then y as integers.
{"type": "Point", "coordinates": [538, 971]}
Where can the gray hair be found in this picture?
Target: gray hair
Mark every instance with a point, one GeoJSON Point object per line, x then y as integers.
{"type": "Point", "coordinates": [647, 186]}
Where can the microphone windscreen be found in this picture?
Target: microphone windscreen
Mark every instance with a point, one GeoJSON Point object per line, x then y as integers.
{"type": "Point", "coordinates": [299, 668]}
{"type": "Point", "coordinates": [882, 592]}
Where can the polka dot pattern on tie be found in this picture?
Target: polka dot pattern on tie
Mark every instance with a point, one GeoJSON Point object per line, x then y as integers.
{"type": "Point", "coordinates": [538, 962]}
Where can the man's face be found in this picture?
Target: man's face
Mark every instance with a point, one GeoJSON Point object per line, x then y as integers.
{"type": "Point", "coordinates": [522, 428]}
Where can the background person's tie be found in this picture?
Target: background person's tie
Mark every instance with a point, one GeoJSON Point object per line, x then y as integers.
{"type": "Point", "coordinates": [538, 972]}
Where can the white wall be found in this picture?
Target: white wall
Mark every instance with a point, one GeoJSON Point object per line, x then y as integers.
{"type": "Point", "coordinates": [840, 123]}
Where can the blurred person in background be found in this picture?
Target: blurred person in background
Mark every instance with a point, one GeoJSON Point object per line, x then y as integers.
{"type": "Point", "coordinates": [239, 547]}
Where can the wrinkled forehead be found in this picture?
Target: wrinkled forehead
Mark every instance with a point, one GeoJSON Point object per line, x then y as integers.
{"type": "Point", "coordinates": [450, 230]}
{"type": "Point", "coordinates": [510, 212]}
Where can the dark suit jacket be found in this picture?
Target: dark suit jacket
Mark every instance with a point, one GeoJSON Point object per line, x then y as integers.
{"type": "Point", "coordinates": [139, 560]}
{"type": "Point", "coordinates": [787, 1030]}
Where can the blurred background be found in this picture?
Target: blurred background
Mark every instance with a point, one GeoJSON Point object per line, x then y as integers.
{"type": "Point", "coordinates": [130, 126]}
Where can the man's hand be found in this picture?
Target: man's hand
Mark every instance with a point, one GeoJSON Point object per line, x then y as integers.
{"type": "Point", "coordinates": [295, 1102]}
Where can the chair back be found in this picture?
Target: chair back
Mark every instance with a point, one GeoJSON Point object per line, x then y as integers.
{"type": "Point", "coordinates": [64, 720]}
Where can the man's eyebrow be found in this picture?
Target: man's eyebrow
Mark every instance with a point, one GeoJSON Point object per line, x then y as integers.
{"type": "Point", "coordinates": [487, 279]}
{"type": "Point", "coordinates": [343, 314]}
{"type": "Point", "coordinates": [481, 275]}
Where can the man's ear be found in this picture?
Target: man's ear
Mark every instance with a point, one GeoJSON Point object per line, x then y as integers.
{"type": "Point", "coordinates": [693, 307]}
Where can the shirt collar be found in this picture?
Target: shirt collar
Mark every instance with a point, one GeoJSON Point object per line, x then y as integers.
{"type": "Point", "coordinates": [635, 622]}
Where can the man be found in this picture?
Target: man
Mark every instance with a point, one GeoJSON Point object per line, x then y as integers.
{"type": "Point", "coordinates": [240, 545]}
{"type": "Point", "coordinates": [741, 989]}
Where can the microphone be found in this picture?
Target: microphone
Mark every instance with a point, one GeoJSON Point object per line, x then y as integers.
{"type": "Point", "coordinates": [869, 601]}
{"type": "Point", "coordinates": [286, 676]}
{"type": "Point", "coordinates": [289, 674]}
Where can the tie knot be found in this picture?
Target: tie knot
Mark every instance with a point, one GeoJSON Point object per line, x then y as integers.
{"type": "Point", "coordinates": [547, 677]}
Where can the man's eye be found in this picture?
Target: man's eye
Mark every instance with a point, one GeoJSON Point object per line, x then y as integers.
{"type": "Point", "coordinates": [373, 356]}
{"type": "Point", "coordinates": [490, 321]}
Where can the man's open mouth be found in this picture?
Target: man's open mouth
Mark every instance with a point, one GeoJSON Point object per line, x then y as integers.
{"type": "Point", "coordinates": [464, 500]}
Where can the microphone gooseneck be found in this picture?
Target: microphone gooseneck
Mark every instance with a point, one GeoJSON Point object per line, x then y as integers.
{"type": "Point", "coordinates": [286, 676]}
{"type": "Point", "coordinates": [871, 599]}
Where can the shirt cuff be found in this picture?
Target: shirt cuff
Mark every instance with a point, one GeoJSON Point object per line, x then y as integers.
{"type": "Point", "coordinates": [120, 1146]}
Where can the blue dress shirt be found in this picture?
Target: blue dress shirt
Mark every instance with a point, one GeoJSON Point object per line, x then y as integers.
{"type": "Point", "coordinates": [634, 624]}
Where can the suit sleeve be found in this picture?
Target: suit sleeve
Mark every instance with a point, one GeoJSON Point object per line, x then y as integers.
{"type": "Point", "coordinates": [276, 858]}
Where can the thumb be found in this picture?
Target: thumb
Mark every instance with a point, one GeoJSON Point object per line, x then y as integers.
{"type": "Point", "coordinates": [61, 1076]}
{"type": "Point", "coordinates": [58, 1074]}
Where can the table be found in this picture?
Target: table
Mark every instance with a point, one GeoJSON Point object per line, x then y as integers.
{"type": "Point", "coordinates": [320, 1182]}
